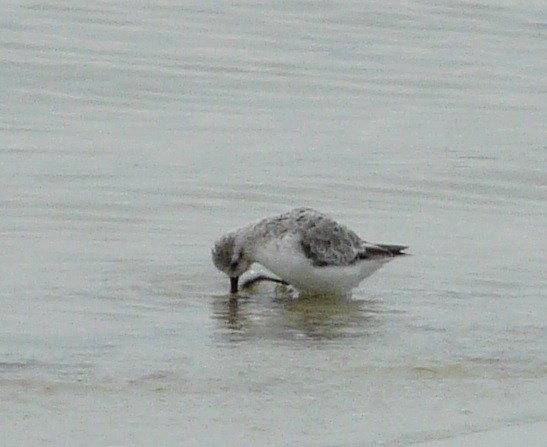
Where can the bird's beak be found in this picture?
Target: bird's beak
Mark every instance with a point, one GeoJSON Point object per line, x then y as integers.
{"type": "Point", "coordinates": [233, 284]}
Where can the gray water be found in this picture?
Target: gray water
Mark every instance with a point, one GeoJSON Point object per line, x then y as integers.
{"type": "Point", "coordinates": [134, 133]}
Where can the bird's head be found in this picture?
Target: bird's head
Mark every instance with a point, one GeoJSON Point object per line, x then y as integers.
{"type": "Point", "coordinates": [229, 257]}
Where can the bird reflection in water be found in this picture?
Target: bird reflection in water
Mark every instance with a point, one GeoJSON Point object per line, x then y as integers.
{"type": "Point", "coordinates": [277, 314]}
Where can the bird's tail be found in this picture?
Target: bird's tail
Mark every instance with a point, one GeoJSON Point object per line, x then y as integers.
{"type": "Point", "coordinates": [393, 249]}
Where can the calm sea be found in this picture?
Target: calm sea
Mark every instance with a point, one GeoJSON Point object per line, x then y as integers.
{"type": "Point", "coordinates": [134, 133]}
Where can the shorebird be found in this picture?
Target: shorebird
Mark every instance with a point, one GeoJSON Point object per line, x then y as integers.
{"type": "Point", "coordinates": [304, 248]}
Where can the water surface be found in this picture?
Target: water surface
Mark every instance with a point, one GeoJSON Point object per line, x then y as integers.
{"type": "Point", "coordinates": [134, 134]}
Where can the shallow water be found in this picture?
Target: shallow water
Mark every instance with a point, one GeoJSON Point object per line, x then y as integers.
{"type": "Point", "coordinates": [134, 134]}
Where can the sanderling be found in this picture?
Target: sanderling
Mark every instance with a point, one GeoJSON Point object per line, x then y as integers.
{"type": "Point", "coordinates": [304, 248]}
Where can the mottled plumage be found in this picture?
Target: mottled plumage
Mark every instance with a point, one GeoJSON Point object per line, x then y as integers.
{"type": "Point", "coordinates": [305, 248]}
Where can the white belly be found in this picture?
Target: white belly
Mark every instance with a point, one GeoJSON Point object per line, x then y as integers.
{"type": "Point", "coordinates": [286, 259]}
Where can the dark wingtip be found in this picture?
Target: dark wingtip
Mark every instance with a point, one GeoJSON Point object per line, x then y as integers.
{"type": "Point", "coordinates": [394, 249]}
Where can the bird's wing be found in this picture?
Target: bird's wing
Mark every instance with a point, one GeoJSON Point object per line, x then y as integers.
{"type": "Point", "coordinates": [326, 242]}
